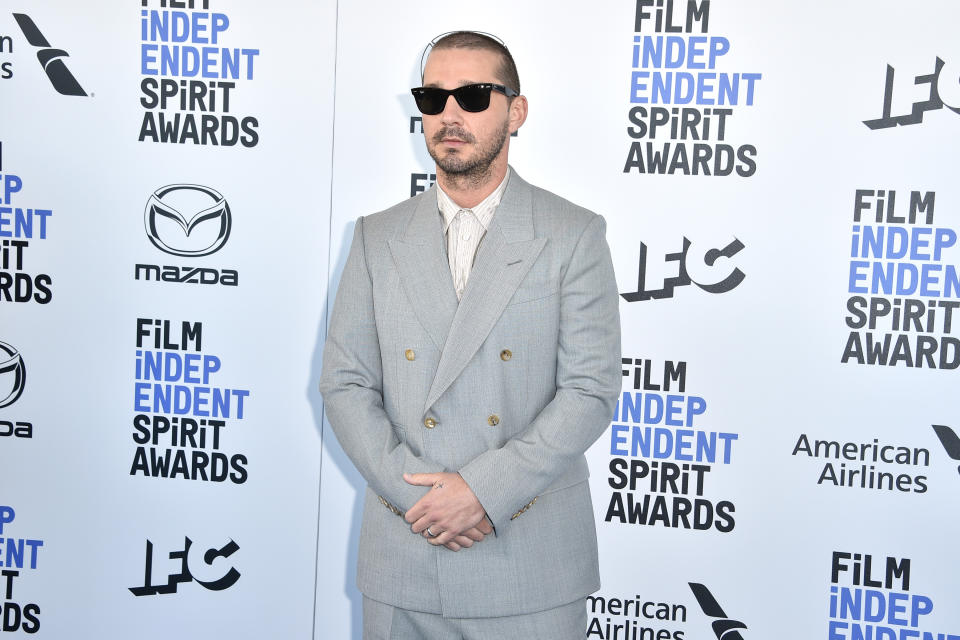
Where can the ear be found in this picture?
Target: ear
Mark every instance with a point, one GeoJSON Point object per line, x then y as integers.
{"type": "Point", "coordinates": [518, 112]}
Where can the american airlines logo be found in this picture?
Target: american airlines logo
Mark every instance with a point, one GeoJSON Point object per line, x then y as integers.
{"type": "Point", "coordinates": [949, 440]}
{"type": "Point", "coordinates": [187, 220]}
{"type": "Point", "coordinates": [50, 59]}
{"type": "Point", "coordinates": [725, 628]}
{"type": "Point", "coordinates": [13, 375]}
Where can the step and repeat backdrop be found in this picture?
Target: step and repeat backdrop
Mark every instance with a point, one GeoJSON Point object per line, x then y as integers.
{"type": "Point", "coordinates": [178, 186]}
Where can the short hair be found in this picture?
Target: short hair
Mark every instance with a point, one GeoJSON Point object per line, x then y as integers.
{"type": "Point", "coordinates": [506, 72]}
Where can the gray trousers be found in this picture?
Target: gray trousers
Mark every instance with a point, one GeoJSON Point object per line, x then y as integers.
{"type": "Point", "coordinates": [385, 622]}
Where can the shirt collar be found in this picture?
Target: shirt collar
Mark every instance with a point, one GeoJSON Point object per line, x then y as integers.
{"type": "Point", "coordinates": [483, 211]}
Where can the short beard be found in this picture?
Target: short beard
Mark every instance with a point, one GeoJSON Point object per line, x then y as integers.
{"type": "Point", "coordinates": [468, 172]}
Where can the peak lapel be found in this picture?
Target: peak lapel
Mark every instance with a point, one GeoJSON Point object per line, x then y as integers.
{"type": "Point", "coordinates": [504, 257]}
{"type": "Point", "coordinates": [424, 270]}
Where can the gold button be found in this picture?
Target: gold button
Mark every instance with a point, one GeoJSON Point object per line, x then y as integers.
{"type": "Point", "coordinates": [493, 420]}
{"type": "Point", "coordinates": [410, 355]}
{"type": "Point", "coordinates": [429, 423]}
{"type": "Point", "coordinates": [506, 354]}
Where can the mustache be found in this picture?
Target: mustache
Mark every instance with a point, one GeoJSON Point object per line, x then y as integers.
{"type": "Point", "coordinates": [453, 132]}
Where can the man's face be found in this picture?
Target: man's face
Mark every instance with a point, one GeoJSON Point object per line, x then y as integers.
{"type": "Point", "coordinates": [464, 143]}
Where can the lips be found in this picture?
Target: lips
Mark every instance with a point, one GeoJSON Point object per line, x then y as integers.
{"type": "Point", "coordinates": [453, 136]}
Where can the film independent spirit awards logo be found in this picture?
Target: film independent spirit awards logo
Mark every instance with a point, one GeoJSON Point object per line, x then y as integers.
{"type": "Point", "coordinates": [187, 220]}
{"type": "Point", "coordinates": [51, 59]}
{"type": "Point", "coordinates": [13, 375]}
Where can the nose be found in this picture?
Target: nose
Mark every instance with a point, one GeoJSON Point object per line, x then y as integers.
{"type": "Point", "coordinates": [452, 113]}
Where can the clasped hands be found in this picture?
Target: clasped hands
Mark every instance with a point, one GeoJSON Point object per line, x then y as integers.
{"type": "Point", "coordinates": [450, 510]}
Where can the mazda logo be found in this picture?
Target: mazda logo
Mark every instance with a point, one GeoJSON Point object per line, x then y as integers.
{"type": "Point", "coordinates": [11, 363]}
{"type": "Point", "coordinates": [187, 220]}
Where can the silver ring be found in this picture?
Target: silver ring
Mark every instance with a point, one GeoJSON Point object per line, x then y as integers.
{"type": "Point", "coordinates": [431, 533]}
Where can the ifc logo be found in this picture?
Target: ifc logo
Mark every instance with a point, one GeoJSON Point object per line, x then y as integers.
{"type": "Point", "coordinates": [13, 375]}
{"type": "Point", "coordinates": [187, 220]}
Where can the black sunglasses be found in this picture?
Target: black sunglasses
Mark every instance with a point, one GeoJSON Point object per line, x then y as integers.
{"type": "Point", "coordinates": [470, 97]}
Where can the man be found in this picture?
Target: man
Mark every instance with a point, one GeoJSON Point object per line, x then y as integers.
{"type": "Point", "coordinates": [473, 356]}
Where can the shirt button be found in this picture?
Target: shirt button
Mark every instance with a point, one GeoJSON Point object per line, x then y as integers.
{"type": "Point", "coordinates": [493, 420]}
{"type": "Point", "coordinates": [410, 355]}
{"type": "Point", "coordinates": [506, 354]}
{"type": "Point", "coordinates": [429, 423]}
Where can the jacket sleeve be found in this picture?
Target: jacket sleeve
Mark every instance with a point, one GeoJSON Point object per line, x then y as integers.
{"type": "Point", "coordinates": [588, 382]}
{"type": "Point", "coordinates": [352, 388]}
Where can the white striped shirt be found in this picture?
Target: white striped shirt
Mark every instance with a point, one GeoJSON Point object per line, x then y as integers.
{"type": "Point", "coordinates": [464, 228]}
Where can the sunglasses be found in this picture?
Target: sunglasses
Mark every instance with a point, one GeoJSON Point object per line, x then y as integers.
{"type": "Point", "coordinates": [470, 97]}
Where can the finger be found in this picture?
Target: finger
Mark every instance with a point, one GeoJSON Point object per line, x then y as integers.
{"type": "Point", "coordinates": [474, 534]}
{"type": "Point", "coordinates": [421, 525]}
{"type": "Point", "coordinates": [415, 512]}
{"type": "Point", "coordinates": [431, 532]}
{"type": "Point", "coordinates": [443, 537]}
{"type": "Point", "coordinates": [453, 546]}
{"type": "Point", "coordinates": [420, 479]}
{"type": "Point", "coordinates": [485, 527]}
{"type": "Point", "coordinates": [463, 541]}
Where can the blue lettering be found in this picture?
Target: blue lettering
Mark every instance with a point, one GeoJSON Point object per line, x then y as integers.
{"type": "Point", "coordinates": [673, 409]}
{"type": "Point", "coordinates": [897, 243]}
{"type": "Point", "coordinates": [898, 605]}
{"type": "Point", "coordinates": [148, 59]}
{"type": "Point", "coordinates": [945, 238]}
{"type": "Point", "coordinates": [197, 28]}
{"type": "Point", "coordinates": [883, 275]}
{"type": "Point", "coordinates": [694, 51]}
{"type": "Point", "coordinates": [928, 279]}
{"type": "Point", "coordinates": [729, 88]}
{"type": "Point", "coordinates": [921, 606]}
{"type": "Point", "coordinates": [641, 442]}
{"type": "Point", "coordinates": [22, 221]}
{"type": "Point", "coordinates": [906, 279]}
{"type": "Point", "coordinates": [874, 605]}
{"type": "Point", "coordinates": [751, 78]}
{"type": "Point", "coordinates": [618, 439]}
{"type": "Point", "coordinates": [683, 442]}
{"type": "Point", "coordinates": [856, 276]}
{"type": "Point", "coordinates": [652, 409]}
{"type": "Point", "coordinates": [180, 27]}
{"type": "Point", "coordinates": [917, 243]}
{"type": "Point", "coordinates": [191, 367]}
{"type": "Point", "coordinates": [727, 447]}
{"type": "Point", "coordinates": [718, 47]}
{"type": "Point", "coordinates": [172, 367]}
{"type": "Point", "coordinates": [636, 86]}
{"type": "Point", "coordinates": [697, 407]}
{"type": "Point", "coordinates": [220, 24]}
{"type": "Point", "coordinates": [703, 88]}
{"type": "Point", "coordinates": [170, 61]}
{"type": "Point", "coordinates": [662, 443]}
{"type": "Point", "coordinates": [11, 185]}
{"type": "Point", "coordinates": [836, 630]}
{"type": "Point", "coordinates": [141, 396]}
{"type": "Point", "coordinates": [631, 411]}
{"type": "Point", "coordinates": [210, 62]}
{"type": "Point", "coordinates": [683, 89]}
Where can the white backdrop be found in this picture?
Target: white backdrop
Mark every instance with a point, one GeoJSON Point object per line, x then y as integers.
{"type": "Point", "coordinates": [329, 87]}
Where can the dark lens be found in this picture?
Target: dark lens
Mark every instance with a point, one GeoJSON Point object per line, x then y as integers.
{"type": "Point", "coordinates": [430, 100]}
{"type": "Point", "coordinates": [473, 97]}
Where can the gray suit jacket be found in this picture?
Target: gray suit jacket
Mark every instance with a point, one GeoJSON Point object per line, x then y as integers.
{"type": "Point", "coordinates": [509, 387]}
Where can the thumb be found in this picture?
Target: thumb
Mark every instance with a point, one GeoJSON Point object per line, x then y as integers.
{"type": "Point", "coordinates": [420, 479]}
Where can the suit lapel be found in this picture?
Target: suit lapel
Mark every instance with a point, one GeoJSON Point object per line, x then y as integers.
{"type": "Point", "coordinates": [425, 271]}
{"type": "Point", "coordinates": [504, 257]}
